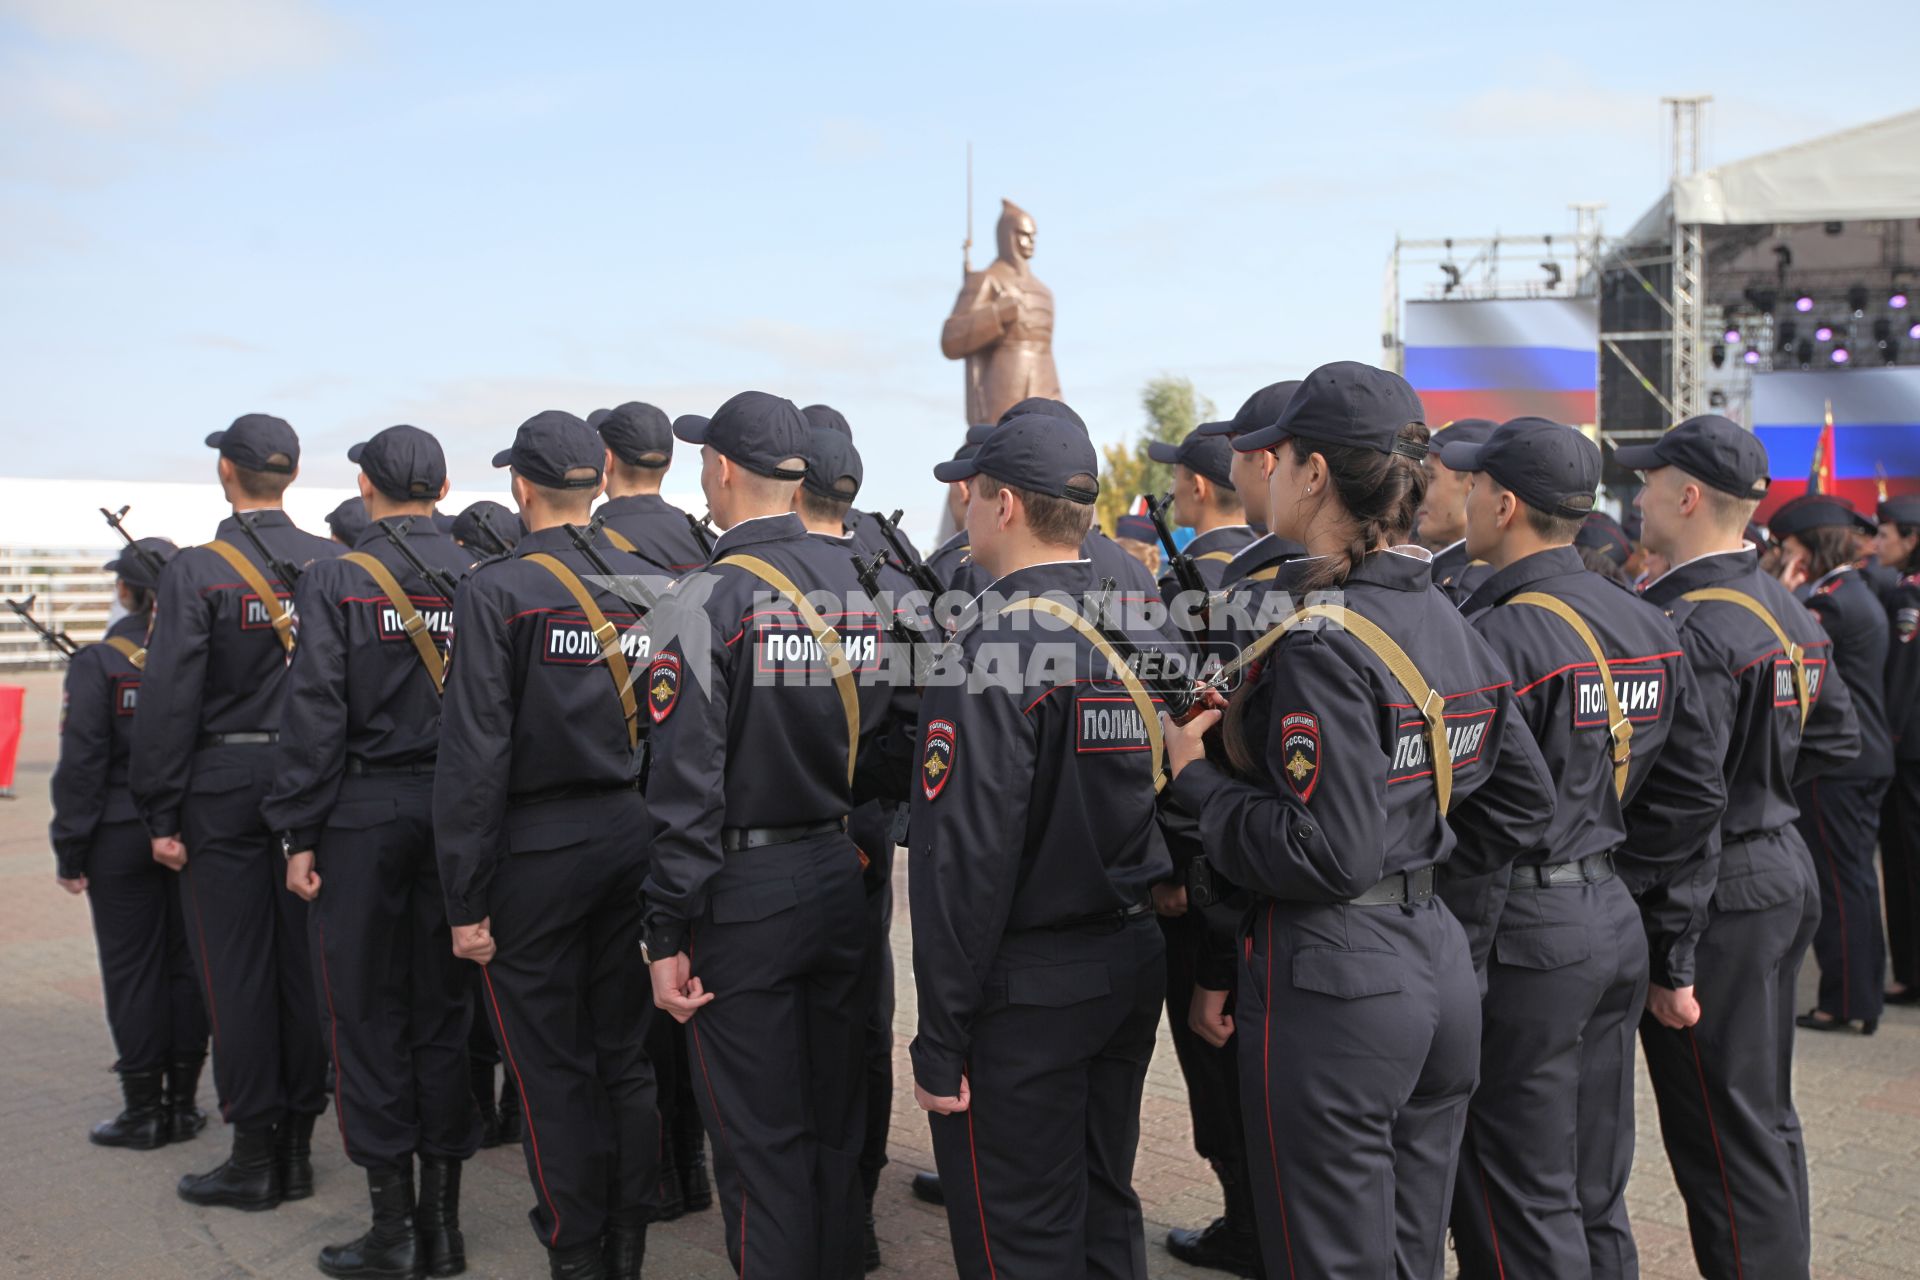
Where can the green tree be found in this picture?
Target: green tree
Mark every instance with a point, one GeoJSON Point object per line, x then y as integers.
{"type": "Point", "coordinates": [1173, 408]}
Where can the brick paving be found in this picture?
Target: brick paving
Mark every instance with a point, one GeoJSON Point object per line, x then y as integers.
{"type": "Point", "coordinates": [69, 1209]}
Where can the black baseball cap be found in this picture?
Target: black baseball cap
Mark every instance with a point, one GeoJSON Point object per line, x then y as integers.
{"type": "Point", "coordinates": [977, 433]}
{"type": "Point", "coordinates": [831, 459]}
{"type": "Point", "coordinates": [597, 417]}
{"type": "Point", "coordinates": [130, 568]}
{"type": "Point", "coordinates": [1043, 405]}
{"type": "Point", "coordinates": [1261, 409]}
{"type": "Point", "coordinates": [1347, 403]}
{"type": "Point", "coordinates": [639, 434]}
{"type": "Point", "coordinates": [756, 430]}
{"type": "Point", "coordinates": [1816, 511]}
{"type": "Point", "coordinates": [1548, 466]}
{"type": "Point", "coordinates": [1902, 509]}
{"type": "Point", "coordinates": [259, 442]}
{"type": "Point", "coordinates": [552, 443]}
{"type": "Point", "coordinates": [1137, 528]}
{"type": "Point", "coordinates": [825, 415]}
{"type": "Point", "coordinates": [1459, 431]}
{"type": "Point", "coordinates": [1207, 455]}
{"type": "Point", "coordinates": [502, 526]}
{"type": "Point", "coordinates": [1038, 452]}
{"type": "Point", "coordinates": [348, 521]}
{"type": "Point", "coordinates": [405, 463]}
{"type": "Point", "coordinates": [1714, 450]}
{"type": "Point", "coordinates": [1601, 532]}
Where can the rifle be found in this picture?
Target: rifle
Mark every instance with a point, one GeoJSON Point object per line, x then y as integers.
{"type": "Point", "coordinates": [146, 557]}
{"type": "Point", "coordinates": [620, 584]}
{"type": "Point", "coordinates": [702, 532]}
{"type": "Point", "coordinates": [924, 578]}
{"type": "Point", "coordinates": [289, 575]}
{"type": "Point", "coordinates": [442, 582]}
{"type": "Point", "coordinates": [868, 571]}
{"type": "Point", "coordinates": [62, 643]}
{"type": "Point", "coordinates": [1184, 570]}
{"type": "Point", "coordinates": [485, 525]}
{"type": "Point", "coordinates": [1182, 699]}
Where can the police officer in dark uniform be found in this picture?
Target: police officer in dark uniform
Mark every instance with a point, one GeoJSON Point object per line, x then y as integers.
{"type": "Point", "coordinates": [540, 831]}
{"type": "Point", "coordinates": [353, 800]}
{"type": "Point", "coordinates": [1602, 684]}
{"type": "Point", "coordinates": [346, 522]}
{"type": "Point", "coordinates": [1604, 547]}
{"type": "Point", "coordinates": [1730, 927]}
{"type": "Point", "coordinates": [1204, 500]}
{"type": "Point", "coordinates": [756, 915]}
{"type": "Point", "coordinates": [1034, 845]}
{"type": "Point", "coordinates": [861, 526]}
{"type": "Point", "coordinates": [486, 529]}
{"type": "Point", "coordinates": [1840, 811]}
{"type": "Point", "coordinates": [209, 710]}
{"type": "Point", "coordinates": [154, 1009]}
{"type": "Point", "coordinates": [952, 560]}
{"type": "Point", "coordinates": [1441, 522]}
{"type": "Point", "coordinates": [640, 439]}
{"type": "Point", "coordinates": [1898, 544]}
{"type": "Point", "coordinates": [1356, 1007]}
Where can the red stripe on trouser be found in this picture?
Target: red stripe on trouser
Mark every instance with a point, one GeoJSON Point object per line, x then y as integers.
{"type": "Point", "coordinates": [526, 1108]}
{"type": "Point", "coordinates": [700, 1050]}
{"type": "Point", "coordinates": [333, 1027]}
{"type": "Point", "coordinates": [1839, 903]}
{"type": "Point", "coordinates": [1499, 1263]}
{"type": "Point", "coordinates": [206, 973]}
{"type": "Point", "coordinates": [1266, 1083]}
{"type": "Point", "coordinates": [1706, 1104]}
{"type": "Point", "coordinates": [979, 1203]}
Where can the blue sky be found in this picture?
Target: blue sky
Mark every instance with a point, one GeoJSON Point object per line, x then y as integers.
{"type": "Point", "coordinates": [457, 215]}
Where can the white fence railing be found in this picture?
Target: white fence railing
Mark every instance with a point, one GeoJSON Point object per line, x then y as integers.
{"type": "Point", "coordinates": [72, 593]}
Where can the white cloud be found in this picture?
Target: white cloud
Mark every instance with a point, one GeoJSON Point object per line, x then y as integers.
{"type": "Point", "coordinates": [193, 44]}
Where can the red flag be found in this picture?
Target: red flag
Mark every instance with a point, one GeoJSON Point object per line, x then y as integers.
{"type": "Point", "coordinates": [1820, 475]}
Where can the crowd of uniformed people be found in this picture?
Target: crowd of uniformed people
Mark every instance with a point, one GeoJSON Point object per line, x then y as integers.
{"type": "Point", "coordinates": [1413, 791]}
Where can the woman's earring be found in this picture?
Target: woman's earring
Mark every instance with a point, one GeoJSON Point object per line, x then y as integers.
{"type": "Point", "coordinates": [1309, 491]}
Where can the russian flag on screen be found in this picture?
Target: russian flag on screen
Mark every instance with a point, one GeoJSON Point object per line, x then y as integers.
{"type": "Point", "coordinates": [1504, 358]}
{"type": "Point", "coordinates": [1876, 425]}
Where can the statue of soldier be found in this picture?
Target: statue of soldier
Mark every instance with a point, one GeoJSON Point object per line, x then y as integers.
{"type": "Point", "coordinates": [1002, 326]}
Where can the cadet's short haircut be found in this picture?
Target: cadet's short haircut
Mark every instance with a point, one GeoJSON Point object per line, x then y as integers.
{"type": "Point", "coordinates": [569, 499]}
{"type": "Point", "coordinates": [263, 485]}
{"type": "Point", "coordinates": [1728, 511]}
{"type": "Point", "coordinates": [1551, 529]}
{"type": "Point", "coordinates": [822, 509]}
{"type": "Point", "coordinates": [768, 489]}
{"type": "Point", "coordinates": [1058, 522]}
{"type": "Point", "coordinates": [651, 464]}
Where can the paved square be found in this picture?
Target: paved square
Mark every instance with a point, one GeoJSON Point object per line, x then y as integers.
{"type": "Point", "coordinates": [70, 1209]}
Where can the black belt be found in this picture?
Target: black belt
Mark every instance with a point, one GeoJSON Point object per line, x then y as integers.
{"type": "Point", "coordinates": [360, 768]}
{"type": "Point", "coordinates": [258, 738]}
{"type": "Point", "coordinates": [1415, 886]}
{"type": "Point", "coordinates": [1119, 917]}
{"type": "Point", "coordinates": [1592, 869]}
{"type": "Point", "coordinates": [571, 792]}
{"type": "Point", "coordinates": [734, 839]}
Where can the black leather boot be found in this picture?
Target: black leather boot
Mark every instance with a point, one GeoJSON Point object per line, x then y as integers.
{"type": "Point", "coordinates": [626, 1246]}
{"type": "Point", "coordinates": [389, 1249]}
{"type": "Point", "coordinates": [436, 1219]}
{"type": "Point", "coordinates": [183, 1088]}
{"type": "Point", "coordinates": [143, 1124]}
{"type": "Point", "coordinates": [294, 1151]}
{"type": "Point", "coordinates": [249, 1179]}
{"type": "Point", "coordinates": [480, 1081]}
{"type": "Point", "coordinates": [670, 1194]}
{"type": "Point", "coordinates": [927, 1188]}
{"type": "Point", "coordinates": [872, 1260]}
{"type": "Point", "coordinates": [513, 1127]}
{"type": "Point", "coordinates": [696, 1187]}
{"type": "Point", "coordinates": [578, 1262]}
{"type": "Point", "coordinates": [1228, 1243]}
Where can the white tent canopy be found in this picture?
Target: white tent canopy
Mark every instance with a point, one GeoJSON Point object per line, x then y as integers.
{"type": "Point", "coordinates": [1867, 173]}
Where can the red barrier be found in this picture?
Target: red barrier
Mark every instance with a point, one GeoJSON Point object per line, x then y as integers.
{"type": "Point", "coordinates": [12, 706]}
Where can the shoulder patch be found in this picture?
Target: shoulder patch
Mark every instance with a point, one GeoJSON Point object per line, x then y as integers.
{"type": "Point", "coordinates": [1300, 752]}
{"type": "Point", "coordinates": [663, 686]}
{"type": "Point", "coordinates": [937, 758]}
{"type": "Point", "coordinates": [1905, 623]}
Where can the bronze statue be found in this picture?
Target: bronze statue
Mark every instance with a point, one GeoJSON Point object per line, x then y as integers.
{"type": "Point", "coordinates": [1002, 326]}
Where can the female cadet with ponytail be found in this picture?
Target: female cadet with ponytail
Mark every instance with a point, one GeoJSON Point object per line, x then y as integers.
{"type": "Point", "coordinates": [1361, 729]}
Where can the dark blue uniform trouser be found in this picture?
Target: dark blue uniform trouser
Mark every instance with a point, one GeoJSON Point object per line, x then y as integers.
{"type": "Point", "coordinates": [779, 1054]}
{"type": "Point", "coordinates": [879, 1033]}
{"type": "Point", "coordinates": [1840, 822]}
{"type": "Point", "coordinates": [570, 1002]}
{"type": "Point", "coordinates": [154, 1007]}
{"type": "Point", "coordinates": [395, 999]}
{"type": "Point", "coordinates": [1212, 1075]}
{"type": "Point", "coordinates": [1549, 1145]}
{"type": "Point", "coordinates": [249, 939]}
{"type": "Point", "coordinates": [1725, 1086]}
{"type": "Point", "coordinates": [1039, 1169]}
{"type": "Point", "coordinates": [1359, 1031]}
{"type": "Point", "coordinates": [1900, 863]}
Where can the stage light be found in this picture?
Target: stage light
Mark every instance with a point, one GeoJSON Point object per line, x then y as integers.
{"type": "Point", "coordinates": [1839, 355]}
{"type": "Point", "coordinates": [1914, 333]}
{"type": "Point", "coordinates": [1789, 330]}
{"type": "Point", "coordinates": [1553, 274]}
{"type": "Point", "coordinates": [1857, 299]}
{"type": "Point", "coordinates": [1898, 302]}
{"type": "Point", "coordinates": [1752, 356]}
{"type": "Point", "coordinates": [1453, 278]}
{"type": "Point", "coordinates": [1803, 304]}
{"type": "Point", "coordinates": [1732, 337]}
{"type": "Point", "coordinates": [1823, 334]}
{"type": "Point", "coordinates": [1804, 354]}
{"type": "Point", "coordinates": [1719, 354]}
